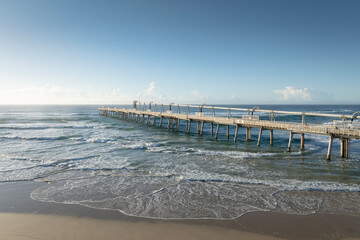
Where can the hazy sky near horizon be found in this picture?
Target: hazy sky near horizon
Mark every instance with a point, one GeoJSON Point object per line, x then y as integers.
{"type": "Point", "coordinates": [188, 51]}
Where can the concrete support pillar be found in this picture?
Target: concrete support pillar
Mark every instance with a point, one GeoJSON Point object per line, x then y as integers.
{"type": "Point", "coordinates": [148, 119]}
{"type": "Point", "coordinates": [217, 130]}
{"type": "Point", "coordinates": [198, 127]}
{"type": "Point", "coordinates": [329, 148]}
{"type": "Point", "coordinates": [248, 134]}
{"type": "Point", "coordinates": [290, 140]}
{"type": "Point", "coordinates": [342, 143]}
{"type": "Point", "coordinates": [189, 127]}
{"type": "Point", "coordinates": [236, 132]}
{"type": "Point", "coordinates": [202, 127]}
{"type": "Point", "coordinates": [161, 120]}
{"type": "Point", "coordinates": [227, 131]}
{"type": "Point", "coordinates": [211, 128]}
{"type": "Point", "coordinates": [348, 148]}
{"type": "Point", "coordinates": [271, 137]}
{"type": "Point", "coordinates": [178, 124]}
{"type": "Point", "coordinates": [345, 148]}
{"type": "Point", "coordinates": [302, 142]}
{"type": "Point", "coordinates": [168, 123]}
{"type": "Point", "coordinates": [259, 138]}
{"type": "Point", "coordinates": [154, 121]}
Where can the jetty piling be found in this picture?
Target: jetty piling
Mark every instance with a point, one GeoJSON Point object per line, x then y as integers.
{"type": "Point", "coordinates": [344, 129]}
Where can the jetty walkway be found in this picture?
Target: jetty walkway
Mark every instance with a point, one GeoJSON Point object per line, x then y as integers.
{"type": "Point", "coordinates": [342, 128]}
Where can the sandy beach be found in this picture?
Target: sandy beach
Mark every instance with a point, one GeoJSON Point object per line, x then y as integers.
{"type": "Point", "coordinates": [39, 226]}
{"type": "Point", "coordinates": [23, 218]}
{"type": "Point", "coordinates": [16, 226]}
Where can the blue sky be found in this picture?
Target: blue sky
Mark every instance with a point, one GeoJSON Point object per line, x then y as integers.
{"type": "Point", "coordinates": [244, 52]}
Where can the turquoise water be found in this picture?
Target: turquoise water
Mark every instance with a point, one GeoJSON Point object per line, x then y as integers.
{"type": "Point", "coordinates": [153, 172]}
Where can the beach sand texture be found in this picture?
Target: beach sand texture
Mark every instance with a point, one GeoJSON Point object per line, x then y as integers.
{"type": "Point", "coordinates": [40, 226]}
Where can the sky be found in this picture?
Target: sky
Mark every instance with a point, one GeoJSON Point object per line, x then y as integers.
{"type": "Point", "coordinates": [185, 51]}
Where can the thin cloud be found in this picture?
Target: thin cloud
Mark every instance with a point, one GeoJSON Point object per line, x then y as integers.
{"type": "Point", "coordinates": [294, 94]}
{"type": "Point", "coordinates": [152, 93]}
{"type": "Point", "coordinates": [49, 94]}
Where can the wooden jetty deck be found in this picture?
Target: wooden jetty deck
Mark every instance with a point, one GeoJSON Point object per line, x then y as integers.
{"type": "Point", "coordinates": [342, 128]}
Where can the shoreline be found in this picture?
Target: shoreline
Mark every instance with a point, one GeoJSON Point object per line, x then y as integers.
{"type": "Point", "coordinates": [15, 203]}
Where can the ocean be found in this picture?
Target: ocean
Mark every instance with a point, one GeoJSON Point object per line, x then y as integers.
{"type": "Point", "coordinates": [146, 171]}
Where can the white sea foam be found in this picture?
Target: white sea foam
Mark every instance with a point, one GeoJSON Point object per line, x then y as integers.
{"type": "Point", "coordinates": [233, 154]}
{"type": "Point", "coordinates": [33, 138]}
{"type": "Point", "coordinates": [174, 198]}
{"type": "Point", "coordinates": [47, 126]}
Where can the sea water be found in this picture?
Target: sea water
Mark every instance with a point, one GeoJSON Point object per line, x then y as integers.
{"type": "Point", "coordinates": [150, 171]}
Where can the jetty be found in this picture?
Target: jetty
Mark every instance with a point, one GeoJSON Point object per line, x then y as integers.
{"type": "Point", "coordinates": [342, 127]}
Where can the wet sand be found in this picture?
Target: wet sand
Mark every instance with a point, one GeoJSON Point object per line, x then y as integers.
{"type": "Point", "coordinates": [23, 218]}
{"type": "Point", "coordinates": [38, 226]}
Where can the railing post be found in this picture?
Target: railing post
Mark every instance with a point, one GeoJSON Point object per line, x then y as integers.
{"type": "Point", "coordinates": [303, 120]}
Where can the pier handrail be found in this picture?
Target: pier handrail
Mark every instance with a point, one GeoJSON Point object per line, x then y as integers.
{"type": "Point", "coordinates": [341, 116]}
